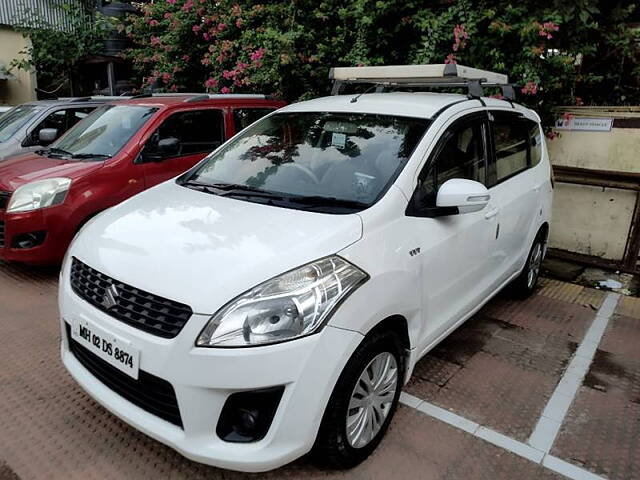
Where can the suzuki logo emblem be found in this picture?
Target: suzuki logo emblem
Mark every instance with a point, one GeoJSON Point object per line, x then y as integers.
{"type": "Point", "coordinates": [110, 298]}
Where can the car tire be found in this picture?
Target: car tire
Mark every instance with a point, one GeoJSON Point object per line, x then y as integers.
{"type": "Point", "coordinates": [525, 284]}
{"type": "Point", "coordinates": [340, 442]}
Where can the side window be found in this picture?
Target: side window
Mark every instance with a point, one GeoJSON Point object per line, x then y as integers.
{"type": "Point", "coordinates": [535, 142]}
{"type": "Point", "coordinates": [510, 140]}
{"type": "Point", "coordinates": [187, 133]}
{"type": "Point", "coordinates": [61, 120]}
{"type": "Point", "coordinates": [77, 114]}
{"type": "Point", "coordinates": [460, 154]}
{"type": "Point", "coordinates": [243, 117]}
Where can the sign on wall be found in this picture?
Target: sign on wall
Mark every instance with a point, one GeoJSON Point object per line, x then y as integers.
{"type": "Point", "coordinates": [587, 124]}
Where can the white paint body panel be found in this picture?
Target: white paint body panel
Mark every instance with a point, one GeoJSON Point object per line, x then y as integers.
{"type": "Point", "coordinates": [204, 250]}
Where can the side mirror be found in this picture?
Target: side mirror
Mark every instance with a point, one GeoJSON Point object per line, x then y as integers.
{"type": "Point", "coordinates": [47, 135]}
{"type": "Point", "coordinates": [466, 196]}
{"type": "Point", "coordinates": [168, 146]}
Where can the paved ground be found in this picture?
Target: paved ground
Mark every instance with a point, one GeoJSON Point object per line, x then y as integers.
{"type": "Point", "coordinates": [473, 401]}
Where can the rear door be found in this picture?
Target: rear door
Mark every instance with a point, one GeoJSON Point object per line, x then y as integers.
{"type": "Point", "coordinates": [516, 150]}
{"type": "Point", "coordinates": [198, 132]}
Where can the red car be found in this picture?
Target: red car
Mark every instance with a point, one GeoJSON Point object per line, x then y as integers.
{"type": "Point", "coordinates": [119, 150]}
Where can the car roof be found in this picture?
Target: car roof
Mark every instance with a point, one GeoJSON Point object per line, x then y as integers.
{"type": "Point", "coordinates": [407, 104]}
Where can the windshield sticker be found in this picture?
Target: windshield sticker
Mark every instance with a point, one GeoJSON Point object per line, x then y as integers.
{"type": "Point", "coordinates": [363, 184]}
{"type": "Point", "coordinates": [338, 140]}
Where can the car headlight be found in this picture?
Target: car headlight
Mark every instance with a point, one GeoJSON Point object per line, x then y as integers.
{"type": "Point", "coordinates": [289, 306]}
{"type": "Point", "coordinates": [40, 194]}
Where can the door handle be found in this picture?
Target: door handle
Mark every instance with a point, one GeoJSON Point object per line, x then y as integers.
{"type": "Point", "coordinates": [491, 213]}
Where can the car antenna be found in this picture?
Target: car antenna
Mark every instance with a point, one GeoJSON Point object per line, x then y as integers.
{"type": "Point", "coordinates": [355, 99]}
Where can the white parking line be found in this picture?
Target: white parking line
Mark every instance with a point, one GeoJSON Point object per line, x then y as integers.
{"type": "Point", "coordinates": [546, 430]}
{"type": "Point", "coordinates": [548, 426]}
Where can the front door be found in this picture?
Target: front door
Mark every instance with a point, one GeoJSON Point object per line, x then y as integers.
{"type": "Point", "coordinates": [190, 136]}
{"type": "Point", "coordinates": [456, 260]}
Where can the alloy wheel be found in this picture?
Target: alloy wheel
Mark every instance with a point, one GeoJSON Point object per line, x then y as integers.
{"type": "Point", "coordinates": [372, 399]}
{"type": "Point", "coordinates": [534, 265]}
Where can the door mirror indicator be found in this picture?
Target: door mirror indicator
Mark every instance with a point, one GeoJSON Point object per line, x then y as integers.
{"type": "Point", "coordinates": [47, 135]}
{"type": "Point", "coordinates": [467, 196]}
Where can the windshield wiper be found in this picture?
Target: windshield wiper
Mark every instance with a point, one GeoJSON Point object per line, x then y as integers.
{"type": "Point", "coordinates": [58, 151]}
{"type": "Point", "coordinates": [90, 155]}
{"type": "Point", "coordinates": [231, 190]}
{"type": "Point", "coordinates": [318, 200]}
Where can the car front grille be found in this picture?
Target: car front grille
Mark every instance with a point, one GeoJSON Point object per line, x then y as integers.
{"type": "Point", "coordinates": [149, 392]}
{"type": "Point", "coordinates": [4, 199]}
{"type": "Point", "coordinates": [1, 234]}
{"type": "Point", "coordinates": [135, 307]}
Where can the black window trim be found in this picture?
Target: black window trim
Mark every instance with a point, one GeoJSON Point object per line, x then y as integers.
{"type": "Point", "coordinates": [482, 118]}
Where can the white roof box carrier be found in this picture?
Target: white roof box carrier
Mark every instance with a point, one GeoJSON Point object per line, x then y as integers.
{"type": "Point", "coordinates": [424, 76]}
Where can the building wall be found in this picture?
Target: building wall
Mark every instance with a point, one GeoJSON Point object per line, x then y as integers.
{"type": "Point", "coordinates": [20, 86]}
{"type": "Point", "coordinates": [594, 220]}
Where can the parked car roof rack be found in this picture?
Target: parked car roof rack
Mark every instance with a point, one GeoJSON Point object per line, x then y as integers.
{"type": "Point", "coordinates": [422, 76]}
{"type": "Point", "coordinates": [214, 96]}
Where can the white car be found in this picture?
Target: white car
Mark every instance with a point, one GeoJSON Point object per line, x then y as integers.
{"type": "Point", "coordinates": [275, 298]}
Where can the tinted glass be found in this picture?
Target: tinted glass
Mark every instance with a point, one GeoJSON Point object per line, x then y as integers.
{"type": "Point", "coordinates": [535, 143]}
{"type": "Point", "coordinates": [351, 157]}
{"type": "Point", "coordinates": [196, 131]}
{"type": "Point", "coordinates": [511, 146]}
{"type": "Point", "coordinates": [460, 156]}
{"type": "Point", "coordinates": [14, 119]}
{"type": "Point", "coordinates": [105, 131]}
{"type": "Point", "coordinates": [243, 117]}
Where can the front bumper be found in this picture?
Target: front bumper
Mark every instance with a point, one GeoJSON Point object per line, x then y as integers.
{"type": "Point", "coordinates": [203, 378]}
{"type": "Point", "coordinates": [56, 227]}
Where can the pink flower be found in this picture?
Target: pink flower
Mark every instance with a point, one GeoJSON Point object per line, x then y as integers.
{"type": "Point", "coordinates": [225, 90]}
{"type": "Point", "coordinates": [451, 58]}
{"type": "Point", "coordinates": [166, 77]}
{"type": "Point", "coordinates": [206, 36]}
{"type": "Point", "coordinates": [460, 36]}
{"type": "Point", "coordinates": [239, 23]}
{"type": "Point", "coordinates": [551, 135]}
{"type": "Point", "coordinates": [173, 88]}
{"type": "Point", "coordinates": [186, 58]}
{"type": "Point", "coordinates": [257, 55]}
{"type": "Point", "coordinates": [155, 41]}
{"type": "Point", "coordinates": [236, 10]}
{"type": "Point", "coordinates": [228, 74]}
{"type": "Point", "coordinates": [196, 28]}
{"type": "Point", "coordinates": [211, 83]}
{"type": "Point", "coordinates": [188, 5]}
{"type": "Point", "coordinates": [172, 2]}
{"type": "Point", "coordinates": [168, 15]}
{"type": "Point", "coordinates": [546, 28]}
{"type": "Point", "coordinates": [153, 23]}
{"type": "Point", "coordinates": [206, 61]}
{"type": "Point", "coordinates": [530, 88]}
{"type": "Point", "coordinates": [221, 26]}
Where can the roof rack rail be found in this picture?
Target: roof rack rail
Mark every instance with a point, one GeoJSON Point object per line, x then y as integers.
{"type": "Point", "coordinates": [217, 96]}
{"type": "Point", "coordinates": [423, 76]}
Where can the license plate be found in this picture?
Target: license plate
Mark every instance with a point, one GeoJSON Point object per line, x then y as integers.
{"type": "Point", "coordinates": [112, 349]}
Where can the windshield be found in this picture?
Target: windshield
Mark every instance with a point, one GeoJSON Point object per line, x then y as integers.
{"type": "Point", "coordinates": [330, 162]}
{"type": "Point", "coordinates": [103, 132]}
{"type": "Point", "coordinates": [14, 119]}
